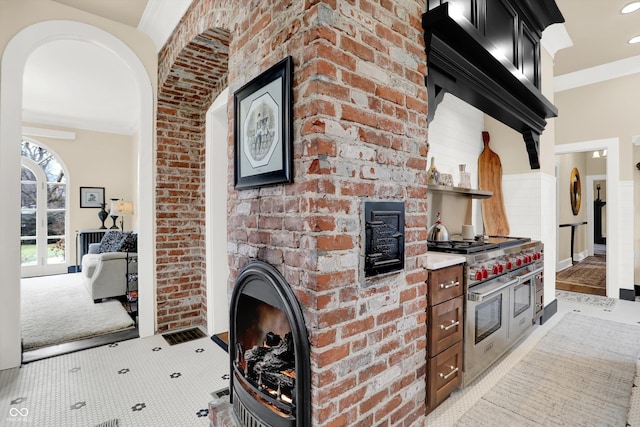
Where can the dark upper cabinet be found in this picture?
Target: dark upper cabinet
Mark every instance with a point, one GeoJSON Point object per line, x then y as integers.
{"type": "Point", "coordinates": [501, 29]}
{"type": "Point", "coordinates": [530, 56]}
{"type": "Point", "coordinates": [487, 53]}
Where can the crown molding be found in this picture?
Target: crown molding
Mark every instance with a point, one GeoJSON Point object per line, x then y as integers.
{"type": "Point", "coordinates": [160, 18]}
{"type": "Point", "coordinates": [554, 38]}
{"type": "Point", "coordinates": [79, 123]}
{"type": "Point", "coordinates": [48, 133]}
{"type": "Point", "coordinates": [597, 74]}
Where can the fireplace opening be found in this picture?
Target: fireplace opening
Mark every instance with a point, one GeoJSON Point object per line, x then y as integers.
{"type": "Point", "coordinates": [269, 351]}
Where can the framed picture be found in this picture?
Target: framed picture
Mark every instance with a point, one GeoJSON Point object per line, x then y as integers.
{"type": "Point", "coordinates": [263, 123]}
{"type": "Point", "coordinates": [91, 197]}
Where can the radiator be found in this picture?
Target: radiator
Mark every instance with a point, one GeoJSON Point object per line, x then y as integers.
{"type": "Point", "coordinates": [87, 237]}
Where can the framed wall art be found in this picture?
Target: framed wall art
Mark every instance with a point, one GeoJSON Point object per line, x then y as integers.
{"type": "Point", "coordinates": [263, 123]}
{"type": "Point", "coordinates": [91, 197]}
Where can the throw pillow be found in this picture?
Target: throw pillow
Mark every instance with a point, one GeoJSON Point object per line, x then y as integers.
{"type": "Point", "coordinates": [129, 242]}
{"type": "Point", "coordinates": [110, 242]}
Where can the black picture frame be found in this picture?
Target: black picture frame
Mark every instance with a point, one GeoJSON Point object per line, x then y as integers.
{"type": "Point", "coordinates": [263, 129]}
{"type": "Point", "coordinates": [91, 197]}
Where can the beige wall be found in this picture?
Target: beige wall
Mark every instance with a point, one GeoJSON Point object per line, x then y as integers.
{"type": "Point", "coordinates": [566, 162]}
{"type": "Point", "coordinates": [94, 159]}
{"type": "Point", "coordinates": [599, 111]}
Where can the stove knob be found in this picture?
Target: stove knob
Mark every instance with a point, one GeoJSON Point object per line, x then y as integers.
{"type": "Point", "coordinates": [478, 275]}
{"type": "Point", "coordinates": [485, 273]}
{"type": "Point", "coordinates": [495, 269]}
{"type": "Point", "coordinates": [509, 265]}
{"type": "Point", "coordinates": [518, 261]}
{"type": "Point", "coordinates": [500, 268]}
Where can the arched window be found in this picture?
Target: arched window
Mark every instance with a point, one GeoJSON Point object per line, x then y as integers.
{"type": "Point", "coordinates": [43, 212]}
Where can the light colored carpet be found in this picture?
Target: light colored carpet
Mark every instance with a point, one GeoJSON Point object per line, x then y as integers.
{"type": "Point", "coordinates": [580, 374]}
{"type": "Point", "coordinates": [58, 309]}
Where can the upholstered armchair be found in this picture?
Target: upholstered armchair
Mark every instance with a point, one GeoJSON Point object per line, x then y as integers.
{"type": "Point", "coordinates": [104, 267]}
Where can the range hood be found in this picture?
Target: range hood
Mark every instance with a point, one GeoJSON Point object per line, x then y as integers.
{"type": "Point", "coordinates": [487, 53]}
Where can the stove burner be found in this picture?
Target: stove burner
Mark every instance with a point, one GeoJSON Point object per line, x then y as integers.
{"type": "Point", "coordinates": [461, 246]}
{"type": "Point", "coordinates": [475, 246]}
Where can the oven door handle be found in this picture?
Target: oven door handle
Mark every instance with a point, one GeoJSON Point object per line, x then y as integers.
{"type": "Point", "coordinates": [529, 274]}
{"type": "Point", "coordinates": [479, 296]}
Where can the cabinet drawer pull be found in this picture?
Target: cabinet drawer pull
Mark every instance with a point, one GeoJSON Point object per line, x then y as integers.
{"type": "Point", "coordinates": [451, 284]}
{"type": "Point", "coordinates": [453, 371]}
{"type": "Point", "coordinates": [453, 324]}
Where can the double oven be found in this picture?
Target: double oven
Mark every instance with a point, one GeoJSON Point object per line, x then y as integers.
{"type": "Point", "coordinates": [501, 274]}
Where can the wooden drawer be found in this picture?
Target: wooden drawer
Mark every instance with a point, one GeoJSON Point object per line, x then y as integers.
{"type": "Point", "coordinates": [446, 323]}
{"type": "Point", "coordinates": [444, 376]}
{"type": "Point", "coordinates": [444, 284]}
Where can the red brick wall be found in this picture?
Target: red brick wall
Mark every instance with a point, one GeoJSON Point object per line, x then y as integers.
{"type": "Point", "coordinates": [359, 134]}
{"type": "Point", "coordinates": [197, 74]}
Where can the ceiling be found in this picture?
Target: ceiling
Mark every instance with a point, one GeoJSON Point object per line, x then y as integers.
{"type": "Point", "coordinates": [599, 33]}
{"type": "Point", "coordinates": [77, 84]}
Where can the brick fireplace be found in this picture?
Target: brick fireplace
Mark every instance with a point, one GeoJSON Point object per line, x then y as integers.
{"type": "Point", "coordinates": [359, 135]}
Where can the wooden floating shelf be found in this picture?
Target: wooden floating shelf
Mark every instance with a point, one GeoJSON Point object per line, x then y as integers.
{"type": "Point", "coordinates": [474, 194]}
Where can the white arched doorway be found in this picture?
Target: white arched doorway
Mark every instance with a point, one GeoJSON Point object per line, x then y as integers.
{"type": "Point", "coordinates": [14, 59]}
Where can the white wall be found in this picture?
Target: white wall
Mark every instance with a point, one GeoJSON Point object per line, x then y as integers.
{"type": "Point", "coordinates": [455, 137]}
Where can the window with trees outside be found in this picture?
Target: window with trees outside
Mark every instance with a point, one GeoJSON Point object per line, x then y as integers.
{"type": "Point", "coordinates": [43, 210]}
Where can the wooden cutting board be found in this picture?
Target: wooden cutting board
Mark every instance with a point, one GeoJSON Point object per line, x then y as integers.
{"type": "Point", "coordinates": [494, 214]}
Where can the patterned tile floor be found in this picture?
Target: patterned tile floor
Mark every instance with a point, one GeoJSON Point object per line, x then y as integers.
{"type": "Point", "coordinates": [146, 382]}
{"type": "Point", "coordinates": [140, 382]}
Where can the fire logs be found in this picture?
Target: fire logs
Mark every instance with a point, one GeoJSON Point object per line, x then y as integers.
{"type": "Point", "coordinates": [272, 365]}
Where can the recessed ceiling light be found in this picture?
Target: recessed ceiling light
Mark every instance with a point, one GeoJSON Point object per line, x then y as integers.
{"type": "Point", "coordinates": [635, 39]}
{"type": "Point", "coordinates": [631, 7]}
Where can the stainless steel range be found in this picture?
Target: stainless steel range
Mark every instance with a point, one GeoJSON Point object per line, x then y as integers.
{"type": "Point", "coordinates": [500, 284]}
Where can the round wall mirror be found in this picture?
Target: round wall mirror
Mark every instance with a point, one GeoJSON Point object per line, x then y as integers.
{"type": "Point", "coordinates": [575, 191]}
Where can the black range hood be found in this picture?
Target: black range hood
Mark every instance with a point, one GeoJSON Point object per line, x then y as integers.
{"type": "Point", "coordinates": [461, 38]}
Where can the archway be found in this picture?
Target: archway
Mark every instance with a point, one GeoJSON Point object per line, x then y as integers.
{"type": "Point", "coordinates": [184, 249]}
{"type": "Point", "coordinates": [13, 61]}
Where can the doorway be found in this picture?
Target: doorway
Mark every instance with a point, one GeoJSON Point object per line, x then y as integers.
{"type": "Point", "coordinates": [619, 264]}
{"type": "Point", "coordinates": [43, 212]}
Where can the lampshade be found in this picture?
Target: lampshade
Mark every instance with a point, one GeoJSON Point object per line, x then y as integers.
{"type": "Point", "coordinates": [121, 208]}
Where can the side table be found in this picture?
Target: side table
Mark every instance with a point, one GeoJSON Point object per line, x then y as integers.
{"type": "Point", "coordinates": [131, 278]}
